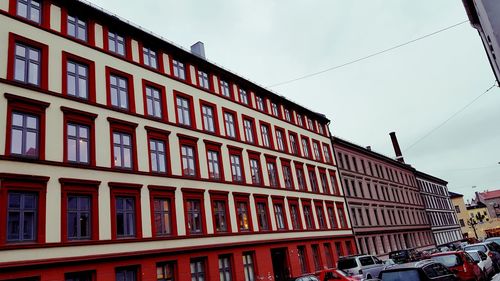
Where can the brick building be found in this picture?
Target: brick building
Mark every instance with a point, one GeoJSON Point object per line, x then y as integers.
{"type": "Point", "coordinates": [125, 157]}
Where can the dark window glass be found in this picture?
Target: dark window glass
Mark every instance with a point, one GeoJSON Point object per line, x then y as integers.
{"type": "Point", "coordinates": [294, 214]}
{"type": "Point", "coordinates": [149, 57]}
{"type": "Point", "coordinates": [158, 156]}
{"type": "Point", "coordinates": [273, 176]}
{"type": "Point", "coordinates": [248, 267]}
{"type": "Point", "coordinates": [236, 168]}
{"type": "Point", "coordinates": [194, 216]}
{"type": "Point", "coordinates": [301, 252]}
{"type": "Point", "coordinates": [230, 125]}
{"type": "Point", "coordinates": [153, 100]}
{"type": "Point", "coordinates": [197, 267]}
{"type": "Point", "coordinates": [187, 155]}
{"type": "Point", "coordinates": [30, 10]}
{"type": "Point", "coordinates": [77, 28]}
{"type": "Point", "coordinates": [207, 113]}
{"type": "Point", "coordinates": [220, 216]}
{"type": "Point", "coordinates": [243, 216]}
{"type": "Point", "coordinates": [25, 135]}
{"type": "Point", "coordinates": [125, 216]}
{"type": "Point", "coordinates": [183, 111]}
{"type": "Point", "coordinates": [225, 271]}
{"type": "Point", "coordinates": [22, 212]}
{"type": "Point", "coordinates": [122, 150]}
{"type": "Point", "coordinates": [255, 171]}
{"type": "Point", "coordinates": [262, 216]}
{"type": "Point", "coordinates": [308, 217]}
{"type": "Point", "coordinates": [280, 216]}
{"type": "Point", "coordinates": [77, 80]}
{"type": "Point", "coordinates": [328, 254]}
{"type": "Point", "coordinates": [213, 164]}
{"type": "Point", "coordinates": [78, 145]}
{"type": "Point", "coordinates": [316, 257]}
{"type": "Point", "coordinates": [119, 92]}
{"type": "Point", "coordinates": [313, 181]}
{"type": "Point", "coordinates": [79, 276]}
{"type": "Point", "coordinates": [179, 70]}
{"type": "Point", "coordinates": [321, 217]}
{"type": "Point", "coordinates": [203, 80]}
{"type": "Point", "coordinates": [27, 64]}
{"type": "Point", "coordinates": [165, 271]}
{"type": "Point", "coordinates": [287, 174]}
{"type": "Point", "coordinates": [116, 43]}
{"type": "Point", "coordinates": [126, 274]}
{"type": "Point", "coordinates": [163, 216]}
{"type": "Point", "coordinates": [79, 217]}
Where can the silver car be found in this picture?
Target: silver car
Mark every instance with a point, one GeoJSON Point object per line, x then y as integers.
{"type": "Point", "coordinates": [366, 265]}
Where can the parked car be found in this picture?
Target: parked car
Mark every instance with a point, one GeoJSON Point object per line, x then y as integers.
{"type": "Point", "coordinates": [460, 263]}
{"type": "Point", "coordinates": [336, 275]}
{"type": "Point", "coordinates": [426, 270]}
{"type": "Point", "coordinates": [308, 277]}
{"type": "Point", "coordinates": [491, 249]}
{"type": "Point", "coordinates": [366, 265]}
{"type": "Point", "coordinates": [493, 239]}
{"type": "Point", "coordinates": [484, 262]}
{"type": "Point", "coordinates": [404, 256]}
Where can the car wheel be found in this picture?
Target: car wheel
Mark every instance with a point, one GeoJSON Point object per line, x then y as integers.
{"type": "Point", "coordinates": [368, 277]}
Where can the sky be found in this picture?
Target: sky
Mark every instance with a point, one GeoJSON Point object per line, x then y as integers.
{"type": "Point", "coordinates": [410, 90]}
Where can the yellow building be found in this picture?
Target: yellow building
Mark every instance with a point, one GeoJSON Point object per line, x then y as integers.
{"type": "Point", "coordinates": [458, 202]}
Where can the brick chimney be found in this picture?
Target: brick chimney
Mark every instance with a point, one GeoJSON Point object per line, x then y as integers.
{"type": "Point", "coordinates": [397, 149]}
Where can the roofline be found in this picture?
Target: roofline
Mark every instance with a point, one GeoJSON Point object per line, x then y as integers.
{"type": "Point", "coordinates": [372, 153]}
{"type": "Point", "coordinates": [454, 194]}
{"type": "Point", "coordinates": [105, 15]}
{"type": "Point", "coordinates": [431, 177]}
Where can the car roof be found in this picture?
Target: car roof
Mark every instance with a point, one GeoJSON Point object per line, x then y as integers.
{"type": "Point", "coordinates": [410, 265]}
{"type": "Point", "coordinates": [354, 256]}
{"type": "Point", "coordinates": [446, 253]}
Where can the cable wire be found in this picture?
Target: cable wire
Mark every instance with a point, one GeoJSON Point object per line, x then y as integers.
{"type": "Point", "coordinates": [449, 118]}
{"type": "Point", "coordinates": [366, 57]}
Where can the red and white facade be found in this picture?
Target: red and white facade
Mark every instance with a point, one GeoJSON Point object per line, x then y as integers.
{"type": "Point", "coordinates": [124, 157]}
{"type": "Point", "coordinates": [385, 205]}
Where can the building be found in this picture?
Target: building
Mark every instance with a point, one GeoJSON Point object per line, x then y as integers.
{"type": "Point", "coordinates": [479, 220]}
{"type": "Point", "coordinates": [124, 157]}
{"type": "Point", "coordinates": [440, 210]}
{"type": "Point", "coordinates": [492, 201]}
{"type": "Point", "coordinates": [385, 206]}
{"type": "Point", "coordinates": [461, 210]}
{"type": "Point", "coordinates": [484, 15]}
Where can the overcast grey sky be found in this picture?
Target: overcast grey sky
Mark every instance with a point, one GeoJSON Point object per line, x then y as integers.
{"type": "Point", "coordinates": [410, 90]}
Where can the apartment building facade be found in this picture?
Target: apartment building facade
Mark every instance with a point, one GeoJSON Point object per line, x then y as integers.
{"type": "Point", "coordinates": [386, 210]}
{"type": "Point", "coordinates": [125, 157]}
{"type": "Point", "coordinates": [440, 210]}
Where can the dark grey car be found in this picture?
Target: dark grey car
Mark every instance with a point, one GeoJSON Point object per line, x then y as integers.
{"type": "Point", "coordinates": [426, 270]}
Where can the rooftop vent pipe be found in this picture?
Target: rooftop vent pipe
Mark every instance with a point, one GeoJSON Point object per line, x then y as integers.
{"type": "Point", "coordinates": [397, 150]}
{"type": "Point", "coordinates": [198, 49]}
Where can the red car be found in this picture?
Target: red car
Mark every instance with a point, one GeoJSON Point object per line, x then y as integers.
{"type": "Point", "coordinates": [460, 263]}
{"type": "Point", "coordinates": [335, 275]}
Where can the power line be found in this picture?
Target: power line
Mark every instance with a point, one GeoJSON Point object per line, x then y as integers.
{"type": "Point", "coordinates": [449, 118]}
{"type": "Point", "coordinates": [467, 169]}
{"type": "Point", "coordinates": [365, 57]}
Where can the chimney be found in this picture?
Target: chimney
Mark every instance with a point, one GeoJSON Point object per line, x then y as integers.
{"type": "Point", "coordinates": [397, 150]}
{"type": "Point", "coordinates": [369, 148]}
{"type": "Point", "coordinates": [198, 49]}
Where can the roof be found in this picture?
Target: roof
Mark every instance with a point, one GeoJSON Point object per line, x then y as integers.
{"type": "Point", "coordinates": [138, 32]}
{"type": "Point", "coordinates": [454, 195]}
{"type": "Point", "coordinates": [410, 265]}
{"type": "Point", "coordinates": [489, 194]}
{"type": "Point", "coordinates": [431, 178]}
{"type": "Point", "coordinates": [478, 205]}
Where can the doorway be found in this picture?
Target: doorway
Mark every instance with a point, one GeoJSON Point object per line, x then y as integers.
{"type": "Point", "coordinates": [280, 264]}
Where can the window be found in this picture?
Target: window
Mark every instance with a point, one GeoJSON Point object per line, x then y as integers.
{"type": "Point", "coordinates": [230, 124]}
{"type": "Point", "coordinates": [248, 266]}
{"type": "Point", "coordinates": [194, 220]}
{"type": "Point", "coordinates": [287, 174]}
{"type": "Point", "coordinates": [236, 166]}
{"type": "Point", "coordinates": [321, 216]}
{"type": "Point", "coordinates": [320, 129]}
{"type": "Point", "coordinates": [184, 110]}
{"type": "Point", "coordinates": [179, 69]}
{"type": "Point", "coordinates": [188, 161]}
{"type": "Point", "coordinates": [328, 255]}
{"type": "Point", "coordinates": [249, 130]}
{"type": "Point", "coordinates": [310, 124]}
{"type": "Point", "coordinates": [317, 153]}
{"type": "Point", "coordinates": [77, 28]}
{"type": "Point", "coordinates": [301, 181]}
{"type": "Point", "coordinates": [293, 144]}
{"type": "Point", "coordinates": [243, 96]}
{"type": "Point", "coordinates": [157, 153]}
{"type": "Point", "coordinates": [162, 216]}
{"type": "Point", "coordinates": [208, 115]}
{"type": "Point", "coordinates": [305, 147]}
{"type": "Point", "coordinates": [80, 276]}
{"type": "Point", "coordinates": [153, 102]}
{"type": "Point", "coordinates": [255, 170]}
{"type": "Point", "coordinates": [27, 67]}
{"type": "Point", "coordinates": [326, 153]}
{"type": "Point", "coordinates": [299, 120]}
{"type": "Point", "coordinates": [316, 257]}
{"type": "Point", "coordinates": [203, 80]}
{"type": "Point", "coordinates": [225, 270]}
{"type": "Point", "coordinates": [266, 138]}
{"type": "Point", "coordinates": [77, 80]}
{"type": "Point", "coordinates": [294, 215]}
{"type": "Point", "coordinates": [78, 143]}
{"type": "Point", "coordinates": [122, 150]}
{"type": "Point", "coordinates": [116, 43]}
{"type": "Point", "coordinates": [220, 213]}
{"type": "Point", "coordinates": [279, 139]}
{"type": "Point", "coordinates": [149, 57]}
{"type": "Point", "coordinates": [243, 214]}
{"type": "Point", "coordinates": [262, 213]}
{"type": "Point", "coordinates": [126, 274]}
{"type": "Point", "coordinates": [165, 271]}
{"type": "Point", "coordinates": [287, 115]}
{"type": "Point", "coordinates": [125, 216]}
{"type": "Point", "coordinates": [198, 269]}
{"type": "Point", "coordinates": [313, 180]}
{"type": "Point", "coordinates": [30, 10]}
{"type": "Point", "coordinates": [260, 103]}
{"type": "Point", "coordinates": [272, 173]}
{"type": "Point", "coordinates": [79, 217]}
{"type": "Point", "coordinates": [331, 216]}
{"type": "Point", "coordinates": [214, 160]}
{"type": "Point", "coordinates": [280, 216]}
{"type": "Point", "coordinates": [118, 88]}
{"type": "Point", "coordinates": [342, 217]}
{"type": "Point", "coordinates": [275, 110]}
{"type": "Point", "coordinates": [224, 89]}
{"type": "Point", "coordinates": [25, 135]}
{"type": "Point", "coordinates": [324, 182]}
{"type": "Point", "coordinates": [301, 253]}
{"type": "Point", "coordinates": [22, 212]}
{"type": "Point", "coordinates": [308, 216]}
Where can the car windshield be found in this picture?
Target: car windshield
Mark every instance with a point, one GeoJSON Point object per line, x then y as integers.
{"type": "Point", "coordinates": [474, 255]}
{"type": "Point", "coordinates": [407, 275]}
{"type": "Point", "coordinates": [448, 260]}
{"type": "Point", "coordinates": [347, 264]}
{"type": "Point", "coordinates": [476, 247]}
{"type": "Point", "coordinates": [399, 254]}
{"type": "Point", "coordinates": [493, 246]}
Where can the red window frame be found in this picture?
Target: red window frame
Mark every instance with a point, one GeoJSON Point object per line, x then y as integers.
{"type": "Point", "coordinates": [271, 159]}
{"type": "Point", "coordinates": [261, 198]}
{"type": "Point", "coordinates": [278, 107]}
{"type": "Point", "coordinates": [311, 153]}
{"type": "Point", "coordinates": [292, 201]}
{"type": "Point", "coordinates": [128, 42]}
{"type": "Point", "coordinates": [264, 104]}
{"type": "Point", "coordinates": [216, 195]}
{"type": "Point", "coordinates": [194, 194]}
{"type": "Point", "coordinates": [128, 190]}
{"type": "Point", "coordinates": [163, 97]}
{"type": "Point", "coordinates": [269, 133]}
{"type": "Point", "coordinates": [121, 126]}
{"type": "Point", "coordinates": [340, 206]}
{"type": "Point", "coordinates": [331, 205]}
{"type": "Point", "coordinates": [162, 135]}
{"type": "Point", "coordinates": [280, 200]}
{"type": "Point", "coordinates": [307, 203]}
{"type": "Point", "coordinates": [130, 88]}
{"type": "Point", "coordinates": [90, 27]}
{"type": "Point", "coordinates": [236, 126]}
{"type": "Point", "coordinates": [162, 192]}
{"type": "Point", "coordinates": [159, 58]}
{"type": "Point", "coordinates": [237, 151]}
{"type": "Point", "coordinates": [187, 69]}
{"type": "Point", "coordinates": [185, 140]}
{"type": "Point", "coordinates": [311, 168]}
{"type": "Point", "coordinates": [284, 137]}
{"type": "Point", "coordinates": [322, 172]}
{"type": "Point", "coordinates": [91, 74]}
{"type": "Point", "coordinates": [82, 118]}
{"type": "Point", "coordinates": [44, 15]}
{"type": "Point", "coordinates": [79, 187]}
{"type": "Point", "coordinates": [230, 85]}
{"type": "Point", "coordinates": [254, 155]}
{"type": "Point", "coordinates": [297, 143]}
{"type": "Point", "coordinates": [215, 146]}
{"type": "Point", "coordinates": [319, 204]}
{"type": "Point", "coordinates": [18, 182]}
{"type": "Point", "coordinates": [243, 198]}
{"type": "Point", "coordinates": [286, 163]}
{"type": "Point", "coordinates": [300, 166]}
{"type": "Point", "coordinates": [191, 109]}
{"type": "Point", "coordinates": [329, 153]}
{"type": "Point", "coordinates": [44, 60]}
{"type": "Point", "coordinates": [318, 144]}
{"type": "Point", "coordinates": [254, 133]}
{"type": "Point", "coordinates": [27, 106]}
{"type": "Point", "coordinates": [215, 116]}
